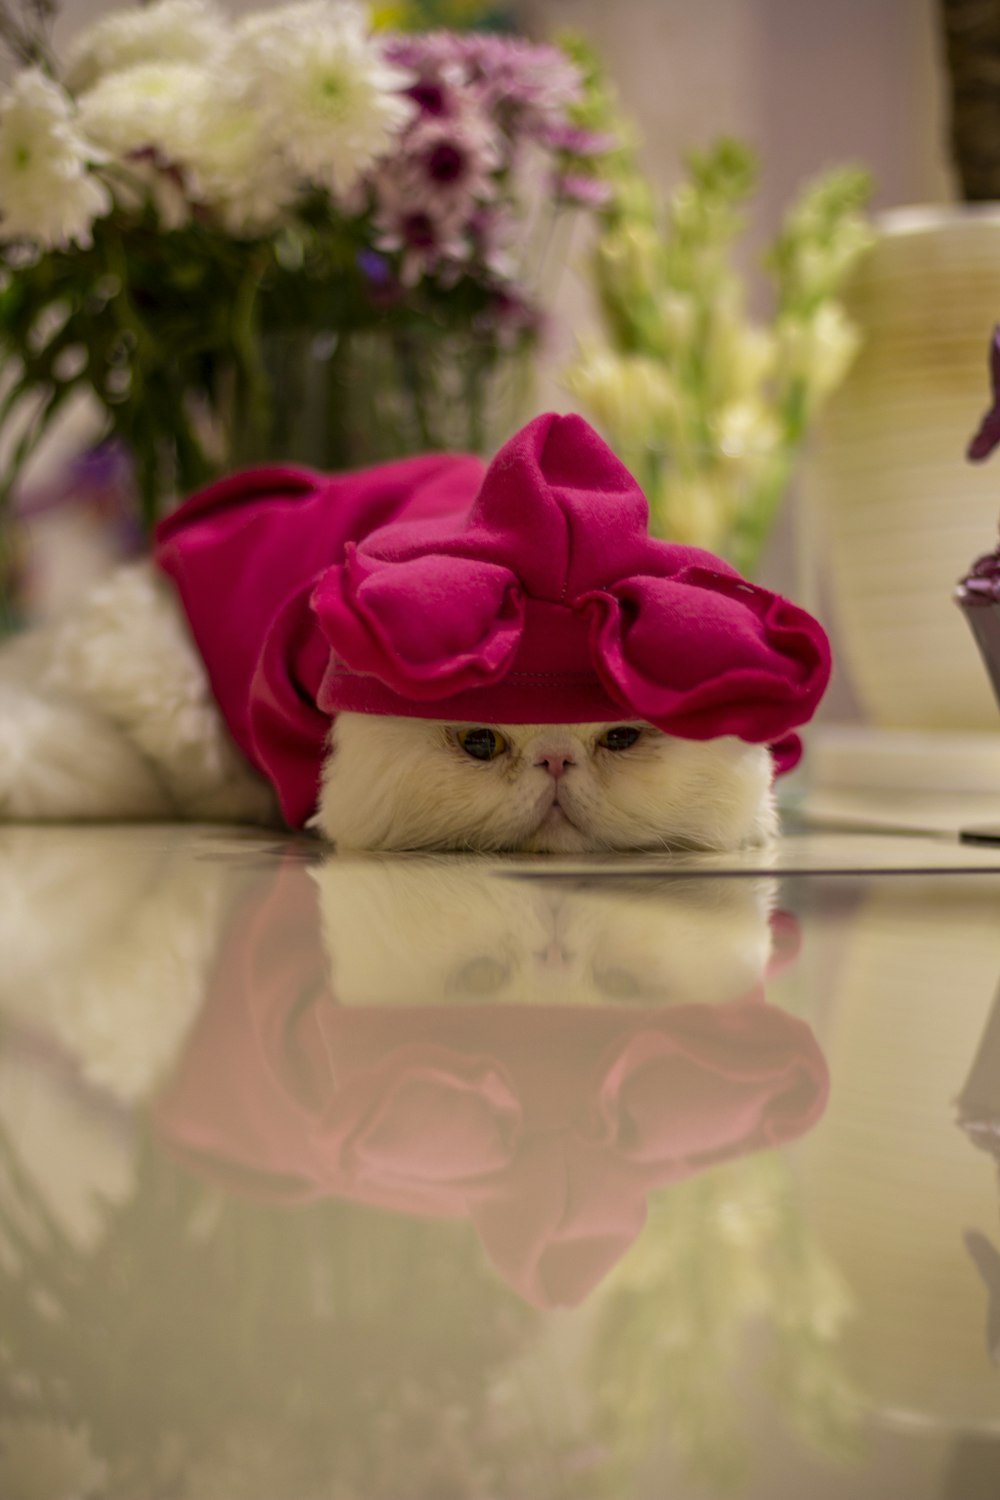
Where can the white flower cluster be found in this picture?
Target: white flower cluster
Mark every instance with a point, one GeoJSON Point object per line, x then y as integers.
{"type": "Point", "coordinates": [323, 92]}
{"type": "Point", "coordinates": [174, 103]}
{"type": "Point", "coordinates": [48, 192]}
{"type": "Point", "coordinates": [708, 405]}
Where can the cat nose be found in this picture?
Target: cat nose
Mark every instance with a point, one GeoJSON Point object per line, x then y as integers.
{"type": "Point", "coordinates": [556, 762]}
{"type": "Point", "coordinates": [554, 955]}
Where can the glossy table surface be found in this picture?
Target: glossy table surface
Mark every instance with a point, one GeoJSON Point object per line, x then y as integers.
{"type": "Point", "coordinates": [416, 1178]}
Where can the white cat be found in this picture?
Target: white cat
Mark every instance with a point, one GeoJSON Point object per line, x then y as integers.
{"type": "Point", "coordinates": [416, 656]}
{"type": "Point", "coordinates": [110, 716]}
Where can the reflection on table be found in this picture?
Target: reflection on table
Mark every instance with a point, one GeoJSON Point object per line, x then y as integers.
{"type": "Point", "coordinates": [298, 1154]}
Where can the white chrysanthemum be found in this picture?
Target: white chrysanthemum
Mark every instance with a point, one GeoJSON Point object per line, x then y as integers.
{"type": "Point", "coordinates": [48, 1461]}
{"type": "Point", "coordinates": [152, 106]}
{"type": "Point", "coordinates": [326, 94]}
{"type": "Point", "coordinates": [236, 171]}
{"type": "Point", "coordinates": [47, 191]}
{"type": "Point", "coordinates": [170, 31]}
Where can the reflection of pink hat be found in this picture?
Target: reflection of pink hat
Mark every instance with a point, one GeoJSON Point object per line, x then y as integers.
{"type": "Point", "coordinates": [545, 602]}
{"type": "Point", "coordinates": [547, 1127]}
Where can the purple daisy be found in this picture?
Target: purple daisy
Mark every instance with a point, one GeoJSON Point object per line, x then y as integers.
{"type": "Point", "coordinates": [528, 87]}
{"type": "Point", "coordinates": [425, 242]}
{"type": "Point", "coordinates": [428, 194]}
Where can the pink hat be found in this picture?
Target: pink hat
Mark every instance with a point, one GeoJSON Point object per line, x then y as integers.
{"type": "Point", "coordinates": [552, 604]}
{"type": "Point", "coordinates": [533, 594]}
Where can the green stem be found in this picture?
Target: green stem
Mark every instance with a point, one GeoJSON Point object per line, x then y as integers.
{"type": "Point", "coordinates": [475, 399]}
{"type": "Point", "coordinates": [416, 387]}
{"type": "Point", "coordinates": [8, 575]}
{"type": "Point", "coordinates": [34, 432]}
{"type": "Point", "coordinates": [247, 346]}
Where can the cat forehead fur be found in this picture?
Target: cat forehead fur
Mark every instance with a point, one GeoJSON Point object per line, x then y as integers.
{"type": "Point", "coordinates": [405, 783]}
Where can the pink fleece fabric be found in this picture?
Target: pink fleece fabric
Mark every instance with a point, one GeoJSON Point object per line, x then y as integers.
{"type": "Point", "coordinates": [528, 592]}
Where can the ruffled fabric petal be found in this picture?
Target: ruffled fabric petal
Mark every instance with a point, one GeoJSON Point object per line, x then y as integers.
{"type": "Point", "coordinates": [560, 509]}
{"type": "Point", "coordinates": [425, 627]}
{"type": "Point", "coordinates": [721, 1083]}
{"type": "Point", "coordinates": [704, 653]}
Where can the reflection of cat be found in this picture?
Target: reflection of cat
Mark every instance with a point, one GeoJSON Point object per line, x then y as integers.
{"type": "Point", "coordinates": [428, 929]}
{"type": "Point", "coordinates": [364, 1072]}
{"type": "Point", "coordinates": [422, 656]}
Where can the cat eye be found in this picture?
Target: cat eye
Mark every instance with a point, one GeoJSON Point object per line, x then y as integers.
{"type": "Point", "coordinates": [616, 984]}
{"type": "Point", "coordinates": [481, 976]}
{"type": "Point", "coordinates": [619, 738]}
{"type": "Point", "coordinates": [481, 744]}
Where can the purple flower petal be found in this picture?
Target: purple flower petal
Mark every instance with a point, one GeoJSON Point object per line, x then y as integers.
{"type": "Point", "coordinates": [587, 192]}
{"type": "Point", "coordinates": [988, 435]}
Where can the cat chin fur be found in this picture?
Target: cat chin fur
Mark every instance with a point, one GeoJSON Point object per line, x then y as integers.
{"type": "Point", "coordinates": [397, 783]}
{"type": "Point", "coordinates": [111, 716]}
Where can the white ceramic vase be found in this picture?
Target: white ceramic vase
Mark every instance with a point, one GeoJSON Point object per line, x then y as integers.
{"type": "Point", "coordinates": [898, 510]}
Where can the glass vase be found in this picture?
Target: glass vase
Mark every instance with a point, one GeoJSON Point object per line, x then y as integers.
{"type": "Point", "coordinates": [344, 400]}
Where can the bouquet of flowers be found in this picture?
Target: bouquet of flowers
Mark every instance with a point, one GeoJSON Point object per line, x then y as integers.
{"type": "Point", "coordinates": [708, 405]}
{"type": "Point", "coordinates": [198, 215]}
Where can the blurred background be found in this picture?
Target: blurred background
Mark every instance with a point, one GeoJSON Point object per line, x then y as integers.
{"type": "Point", "coordinates": [808, 86]}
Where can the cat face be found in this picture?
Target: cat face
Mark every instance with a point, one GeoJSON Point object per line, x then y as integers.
{"type": "Point", "coordinates": [399, 783]}
{"type": "Point", "coordinates": [433, 930]}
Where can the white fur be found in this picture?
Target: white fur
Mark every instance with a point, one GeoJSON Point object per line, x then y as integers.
{"type": "Point", "coordinates": [110, 715]}
{"type": "Point", "coordinates": [439, 929]}
{"type": "Point", "coordinates": [406, 784]}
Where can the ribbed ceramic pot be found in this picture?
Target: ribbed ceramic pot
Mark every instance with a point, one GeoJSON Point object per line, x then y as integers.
{"type": "Point", "coordinates": [899, 510]}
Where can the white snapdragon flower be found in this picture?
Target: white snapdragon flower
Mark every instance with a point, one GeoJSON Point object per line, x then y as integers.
{"type": "Point", "coordinates": [746, 429]}
{"type": "Point", "coordinates": [693, 509]}
{"type": "Point", "coordinates": [47, 191]}
{"type": "Point", "coordinates": [818, 350]}
{"type": "Point", "coordinates": [629, 259]}
{"type": "Point", "coordinates": [327, 97]}
{"type": "Point", "coordinates": [169, 31]}
{"type": "Point", "coordinates": [748, 355]}
{"type": "Point", "coordinates": [634, 399]}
